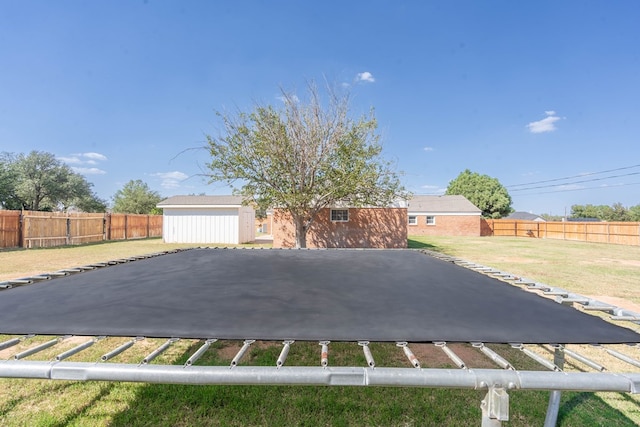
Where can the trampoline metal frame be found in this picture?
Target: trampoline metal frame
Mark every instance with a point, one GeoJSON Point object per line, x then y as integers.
{"type": "Point", "coordinates": [496, 382]}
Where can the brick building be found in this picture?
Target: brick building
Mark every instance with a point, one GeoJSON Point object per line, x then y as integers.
{"type": "Point", "coordinates": [346, 228]}
{"type": "Point", "coordinates": [443, 216]}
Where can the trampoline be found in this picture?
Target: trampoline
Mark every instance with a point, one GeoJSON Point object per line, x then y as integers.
{"type": "Point", "coordinates": [357, 295]}
{"type": "Point", "coordinates": [310, 295]}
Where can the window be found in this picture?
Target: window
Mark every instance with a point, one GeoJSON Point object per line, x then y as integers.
{"type": "Point", "coordinates": [340, 215]}
{"type": "Point", "coordinates": [431, 220]}
{"type": "Point", "coordinates": [413, 220]}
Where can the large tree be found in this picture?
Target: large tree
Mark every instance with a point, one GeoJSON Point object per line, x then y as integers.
{"type": "Point", "coordinates": [39, 181]}
{"type": "Point", "coordinates": [137, 198]}
{"type": "Point", "coordinates": [485, 192]}
{"type": "Point", "coordinates": [303, 156]}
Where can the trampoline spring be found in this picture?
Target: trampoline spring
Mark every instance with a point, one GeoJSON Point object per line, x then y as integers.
{"type": "Point", "coordinates": [623, 357]}
{"type": "Point", "coordinates": [157, 352]}
{"type": "Point", "coordinates": [324, 353]}
{"type": "Point", "coordinates": [241, 352]}
{"type": "Point", "coordinates": [198, 354]}
{"type": "Point", "coordinates": [117, 351]}
{"type": "Point", "coordinates": [284, 353]}
{"type": "Point", "coordinates": [495, 357]}
{"type": "Point", "coordinates": [407, 351]}
{"type": "Point", "coordinates": [581, 358]}
{"type": "Point", "coordinates": [12, 342]}
{"type": "Point", "coordinates": [367, 353]}
{"type": "Point", "coordinates": [36, 349]}
{"type": "Point", "coordinates": [454, 357]}
{"type": "Point", "coordinates": [541, 360]}
{"type": "Point", "coordinates": [74, 350]}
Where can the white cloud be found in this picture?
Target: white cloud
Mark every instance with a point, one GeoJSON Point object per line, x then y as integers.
{"type": "Point", "coordinates": [428, 148]}
{"type": "Point", "coordinates": [70, 160]}
{"type": "Point", "coordinates": [88, 171]}
{"type": "Point", "coordinates": [94, 156]}
{"type": "Point", "coordinates": [545, 125]}
{"type": "Point", "coordinates": [171, 180]}
{"type": "Point", "coordinates": [365, 77]}
{"type": "Point", "coordinates": [84, 159]}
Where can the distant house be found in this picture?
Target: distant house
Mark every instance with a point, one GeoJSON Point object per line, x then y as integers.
{"type": "Point", "coordinates": [347, 227]}
{"type": "Point", "coordinates": [443, 216]}
{"type": "Point", "coordinates": [207, 219]}
{"type": "Point", "coordinates": [525, 216]}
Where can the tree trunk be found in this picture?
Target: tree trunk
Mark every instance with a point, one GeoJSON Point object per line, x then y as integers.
{"type": "Point", "coordinates": [301, 232]}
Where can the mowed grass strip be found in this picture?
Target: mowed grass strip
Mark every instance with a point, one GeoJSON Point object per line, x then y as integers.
{"type": "Point", "coordinates": [61, 403]}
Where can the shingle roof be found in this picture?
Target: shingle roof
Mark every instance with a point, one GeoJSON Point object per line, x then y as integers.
{"type": "Point", "coordinates": [201, 201]}
{"type": "Point", "coordinates": [442, 204]}
{"type": "Point", "coordinates": [525, 216]}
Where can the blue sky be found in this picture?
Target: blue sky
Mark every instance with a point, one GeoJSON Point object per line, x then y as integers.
{"type": "Point", "coordinates": [526, 92]}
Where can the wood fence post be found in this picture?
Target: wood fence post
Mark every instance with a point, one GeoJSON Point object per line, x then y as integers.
{"type": "Point", "coordinates": [126, 226]}
{"type": "Point", "coordinates": [68, 237]}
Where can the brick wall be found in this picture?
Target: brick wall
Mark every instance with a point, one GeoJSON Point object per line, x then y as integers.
{"type": "Point", "coordinates": [366, 228]}
{"type": "Point", "coordinates": [447, 225]}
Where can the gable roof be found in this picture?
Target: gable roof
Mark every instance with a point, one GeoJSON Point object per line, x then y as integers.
{"type": "Point", "coordinates": [442, 204]}
{"type": "Point", "coordinates": [201, 201]}
{"type": "Point", "coordinates": [525, 216]}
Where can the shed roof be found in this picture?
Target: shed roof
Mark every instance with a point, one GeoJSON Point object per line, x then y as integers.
{"type": "Point", "coordinates": [193, 201]}
{"type": "Point", "coordinates": [442, 204]}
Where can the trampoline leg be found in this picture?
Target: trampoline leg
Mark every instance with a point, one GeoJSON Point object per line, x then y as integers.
{"type": "Point", "coordinates": [553, 408]}
{"type": "Point", "coordinates": [495, 407]}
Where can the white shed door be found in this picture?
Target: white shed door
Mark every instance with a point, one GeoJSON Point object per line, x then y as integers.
{"type": "Point", "coordinates": [200, 226]}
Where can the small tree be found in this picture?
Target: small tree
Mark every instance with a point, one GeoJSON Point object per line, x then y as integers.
{"type": "Point", "coordinates": [136, 197]}
{"type": "Point", "coordinates": [486, 193]}
{"type": "Point", "coordinates": [302, 157]}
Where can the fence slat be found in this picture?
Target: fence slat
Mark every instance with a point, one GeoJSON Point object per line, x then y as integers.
{"type": "Point", "coordinates": [620, 233]}
{"type": "Point", "coordinates": [33, 229]}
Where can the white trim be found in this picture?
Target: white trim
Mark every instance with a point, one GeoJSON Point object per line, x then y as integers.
{"type": "Point", "coordinates": [199, 206]}
{"type": "Point", "coordinates": [445, 213]}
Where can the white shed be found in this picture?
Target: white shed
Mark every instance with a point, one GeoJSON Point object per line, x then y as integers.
{"type": "Point", "coordinates": [207, 219]}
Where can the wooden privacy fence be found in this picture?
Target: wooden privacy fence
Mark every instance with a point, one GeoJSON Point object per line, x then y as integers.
{"type": "Point", "coordinates": [31, 229]}
{"type": "Point", "coordinates": [621, 233]}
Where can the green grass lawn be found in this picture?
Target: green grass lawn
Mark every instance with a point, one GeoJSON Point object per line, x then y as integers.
{"type": "Point", "coordinates": [62, 403]}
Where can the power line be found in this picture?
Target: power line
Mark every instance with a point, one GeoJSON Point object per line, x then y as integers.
{"type": "Point", "coordinates": [576, 182]}
{"type": "Point", "coordinates": [580, 189]}
{"type": "Point", "coordinates": [572, 177]}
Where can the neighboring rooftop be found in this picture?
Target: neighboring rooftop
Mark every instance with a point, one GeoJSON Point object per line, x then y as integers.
{"type": "Point", "coordinates": [525, 216]}
{"type": "Point", "coordinates": [201, 201]}
{"type": "Point", "coordinates": [442, 204]}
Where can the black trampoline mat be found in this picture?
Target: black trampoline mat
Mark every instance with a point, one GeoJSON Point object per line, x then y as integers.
{"type": "Point", "coordinates": [270, 294]}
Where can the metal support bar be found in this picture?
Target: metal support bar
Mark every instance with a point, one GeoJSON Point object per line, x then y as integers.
{"type": "Point", "coordinates": [454, 357]}
{"type": "Point", "coordinates": [367, 353]}
{"type": "Point", "coordinates": [324, 353]}
{"type": "Point", "coordinates": [495, 407]}
{"type": "Point", "coordinates": [157, 352]}
{"type": "Point", "coordinates": [284, 353]}
{"type": "Point", "coordinates": [551, 417]}
{"type": "Point", "coordinates": [335, 376]}
{"type": "Point", "coordinates": [241, 353]}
